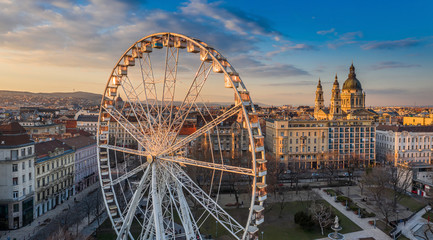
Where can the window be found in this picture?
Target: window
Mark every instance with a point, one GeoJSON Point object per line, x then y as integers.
{"type": "Point", "coordinates": [30, 163]}
{"type": "Point", "coordinates": [23, 165]}
{"type": "Point", "coordinates": [15, 181]}
{"type": "Point", "coordinates": [24, 191]}
{"type": "Point", "coordinates": [14, 154]}
{"type": "Point", "coordinates": [16, 208]}
{"type": "Point", "coordinates": [14, 167]}
{"type": "Point", "coordinates": [15, 194]}
{"type": "Point", "coordinates": [24, 178]}
{"type": "Point", "coordinates": [29, 151]}
{"type": "Point", "coordinates": [23, 152]}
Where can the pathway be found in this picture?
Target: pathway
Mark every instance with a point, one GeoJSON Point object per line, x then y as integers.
{"type": "Point", "coordinates": [28, 231]}
{"type": "Point", "coordinates": [414, 223]}
{"type": "Point", "coordinates": [368, 230]}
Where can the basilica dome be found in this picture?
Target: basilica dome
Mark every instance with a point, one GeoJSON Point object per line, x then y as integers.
{"type": "Point", "coordinates": [352, 83]}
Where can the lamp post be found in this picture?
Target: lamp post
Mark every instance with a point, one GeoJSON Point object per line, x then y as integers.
{"type": "Point", "coordinates": [262, 235]}
{"type": "Point", "coordinates": [216, 229]}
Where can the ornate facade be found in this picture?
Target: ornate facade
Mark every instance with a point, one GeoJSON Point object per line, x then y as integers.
{"type": "Point", "coordinates": [348, 103]}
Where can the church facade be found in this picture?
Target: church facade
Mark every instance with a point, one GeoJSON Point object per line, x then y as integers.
{"type": "Point", "coordinates": [347, 103]}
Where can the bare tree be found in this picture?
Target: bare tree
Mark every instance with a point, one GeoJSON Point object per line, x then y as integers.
{"type": "Point", "coordinates": [400, 179]}
{"type": "Point", "coordinates": [377, 183]}
{"type": "Point", "coordinates": [328, 165]}
{"type": "Point", "coordinates": [322, 214]}
{"type": "Point", "coordinates": [62, 233]}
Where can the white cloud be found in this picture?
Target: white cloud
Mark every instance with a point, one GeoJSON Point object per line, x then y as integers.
{"type": "Point", "coordinates": [324, 32]}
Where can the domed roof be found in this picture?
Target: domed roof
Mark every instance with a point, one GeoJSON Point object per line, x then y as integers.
{"type": "Point", "coordinates": [352, 83]}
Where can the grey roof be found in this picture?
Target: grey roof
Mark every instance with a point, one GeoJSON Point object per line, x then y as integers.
{"type": "Point", "coordinates": [87, 118]}
{"type": "Point", "coordinates": [401, 128]}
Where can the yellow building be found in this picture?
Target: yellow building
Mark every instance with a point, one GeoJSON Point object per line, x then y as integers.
{"type": "Point", "coordinates": [421, 121]}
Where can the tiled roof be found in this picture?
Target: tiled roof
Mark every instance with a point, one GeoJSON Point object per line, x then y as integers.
{"type": "Point", "coordinates": [13, 134]}
{"type": "Point", "coordinates": [44, 147]}
{"type": "Point", "coordinates": [79, 142]}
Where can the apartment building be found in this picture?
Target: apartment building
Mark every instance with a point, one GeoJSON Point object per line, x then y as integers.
{"type": "Point", "coordinates": [16, 176]}
{"type": "Point", "coordinates": [403, 144]}
{"type": "Point", "coordinates": [55, 171]}
{"type": "Point", "coordinates": [86, 165]}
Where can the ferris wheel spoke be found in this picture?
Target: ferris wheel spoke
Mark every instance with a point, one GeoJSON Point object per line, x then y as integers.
{"type": "Point", "coordinates": [215, 166]}
{"type": "Point", "coordinates": [149, 87]}
{"type": "Point", "coordinates": [132, 206]}
{"type": "Point", "coordinates": [170, 75]}
{"type": "Point", "coordinates": [227, 221]}
{"type": "Point", "coordinates": [128, 174]}
{"type": "Point", "coordinates": [208, 126]}
{"type": "Point", "coordinates": [129, 127]}
{"type": "Point", "coordinates": [135, 102]}
{"type": "Point", "coordinates": [124, 150]}
{"type": "Point", "coordinates": [189, 101]}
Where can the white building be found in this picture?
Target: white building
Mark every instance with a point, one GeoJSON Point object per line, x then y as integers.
{"type": "Point", "coordinates": [404, 144]}
{"type": "Point", "coordinates": [86, 165]}
{"type": "Point", "coordinates": [17, 157]}
{"type": "Point", "coordinates": [88, 123]}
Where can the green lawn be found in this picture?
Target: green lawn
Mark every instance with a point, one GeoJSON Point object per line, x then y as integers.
{"type": "Point", "coordinates": [427, 215]}
{"type": "Point", "coordinates": [274, 227]}
{"type": "Point", "coordinates": [413, 204]}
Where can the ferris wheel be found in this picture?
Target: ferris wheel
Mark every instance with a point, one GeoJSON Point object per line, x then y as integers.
{"type": "Point", "coordinates": [167, 154]}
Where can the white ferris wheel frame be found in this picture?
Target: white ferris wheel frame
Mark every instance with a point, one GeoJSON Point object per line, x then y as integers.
{"type": "Point", "coordinates": [174, 180]}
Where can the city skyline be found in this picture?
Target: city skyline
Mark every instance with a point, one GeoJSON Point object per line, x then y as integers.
{"type": "Point", "coordinates": [280, 51]}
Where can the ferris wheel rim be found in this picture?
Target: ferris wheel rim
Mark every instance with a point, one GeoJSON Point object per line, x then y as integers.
{"type": "Point", "coordinates": [244, 112]}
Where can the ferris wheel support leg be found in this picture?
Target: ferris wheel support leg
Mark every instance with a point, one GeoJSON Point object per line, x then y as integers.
{"type": "Point", "coordinates": [132, 208]}
{"type": "Point", "coordinates": [157, 211]}
{"type": "Point", "coordinates": [191, 229]}
{"type": "Point", "coordinates": [207, 202]}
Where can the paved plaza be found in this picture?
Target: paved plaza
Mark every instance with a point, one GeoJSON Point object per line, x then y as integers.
{"type": "Point", "coordinates": [367, 229]}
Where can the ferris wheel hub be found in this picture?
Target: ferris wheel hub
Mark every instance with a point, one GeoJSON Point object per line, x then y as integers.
{"type": "Point", "coordinates": [150, 158]}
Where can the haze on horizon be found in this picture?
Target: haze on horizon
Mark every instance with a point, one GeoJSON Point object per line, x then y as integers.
{"type": "Point", "coordinates": [279, 48]}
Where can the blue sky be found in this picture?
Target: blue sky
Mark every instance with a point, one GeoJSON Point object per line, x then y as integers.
{"type": "Point", "coordinates": [280, 48]}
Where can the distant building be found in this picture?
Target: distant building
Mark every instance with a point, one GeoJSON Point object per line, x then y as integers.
{"type": "Point", "coordinates": [314, 144]}
{"type": "Point", "coordinates": [17, 157]}
{"type": "Point", "coordinates": [38, 128]}
{"type": "Point", "coordinates": [421, 177]}
{"type": "Point", "coordinates": [86, 165]}
{"type": "Point", "coordinates": [421, 121]}
{"type": "Point", "coordinates": [404, 144]}
{"type": "Point", "coordinates": [348, 103]}
{"type": "Point", "coordinates": [88, 123]}
{"type": "Point", "coordinates": [54, 175]}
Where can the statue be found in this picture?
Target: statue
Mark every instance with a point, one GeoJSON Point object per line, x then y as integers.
{"type": "Point", "coordinates": [336, 227]}
{"type": "Point", "coordinates": [336, 224]}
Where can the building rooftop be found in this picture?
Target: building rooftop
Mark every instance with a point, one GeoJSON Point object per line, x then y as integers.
{"type": "Point", "coordinates": [88, 118]}
{"type": "Point", "coordinates": [401, 128]}
{"type": "Point", "coordinates": [44, 148]}
{"type": "Point", "coordinates": [13, 134]}
{"type": "Point", "coordinates": [79, 141]}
